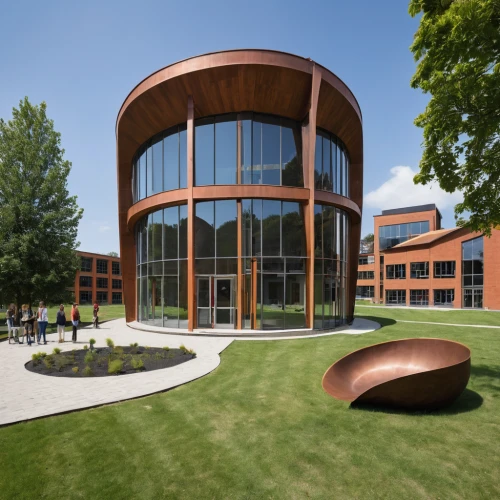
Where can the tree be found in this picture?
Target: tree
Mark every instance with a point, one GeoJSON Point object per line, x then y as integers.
{"type": "Point", "coordinates": [367, 243]}
{"type": "Point", "coordinates": [38, 218]}
{"type": "Point", "coordinates": [457, 46]}
{"type": "Point", "coordinates": [112, 254]}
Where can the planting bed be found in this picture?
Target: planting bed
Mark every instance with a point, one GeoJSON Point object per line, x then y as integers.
{"type": "Point", "coordinates": [107, 361]}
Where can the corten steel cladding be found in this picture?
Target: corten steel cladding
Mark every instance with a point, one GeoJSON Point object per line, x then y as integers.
{"type": "Point", "coordinates": [410, 373]}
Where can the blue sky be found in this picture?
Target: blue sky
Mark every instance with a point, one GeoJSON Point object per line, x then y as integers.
{"type": "Point", "coordinates": [83, 58]}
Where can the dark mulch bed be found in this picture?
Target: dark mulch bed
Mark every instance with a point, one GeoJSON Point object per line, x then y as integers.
{"type": "Point", "coordinates": [153, 358]}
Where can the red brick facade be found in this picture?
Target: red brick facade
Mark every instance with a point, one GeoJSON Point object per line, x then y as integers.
{"type": "Point", "coordinates": [105, 292]}
{"type": "Point", "coordinates": [444, 245]}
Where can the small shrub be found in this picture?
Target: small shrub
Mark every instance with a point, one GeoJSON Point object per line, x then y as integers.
{"type": "Point", "coordinates": [135, 344]}
{"type": "Point", "coordinates": [61, 362]}
{"type": "Point", "coordinates": [91, 341]}
{"type": "Point", "coordinates": [146, 347]}
{"type": "Point", "coordinates": [166, 348]}
{"type": "Point", "coordinates": [99, 361]}
{"type": "Point", "coordinates": [158, 355]}
{"type": "Point", "coordinates": [56, 350]}
{"type": "Point", "coordinates": [115, 366]}
{"type": "Point", "coordinates": [118, 350]}
{"type": "Point", "coordinates": [37, 357]}
{"type": "Point", "coordinates": [191, 351]}
{"type": "Point", "coordinates": [137, 364]}
{"type": "Point", "coordinates": [89, 357]}
{"type": "Point", "coordinates": [85, 347]}
{"type": "Point", "coordinates": [110, 343]}
{"type": "Point", "coordinates": [48, 361]}
{"type": "Point", "coordinates": [87, 372]}
{"type": "Point", "coordinates": [74, 369]}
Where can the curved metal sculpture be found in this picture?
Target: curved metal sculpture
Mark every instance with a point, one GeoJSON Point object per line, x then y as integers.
{"type": "Point", "coordinates": [410, 373]}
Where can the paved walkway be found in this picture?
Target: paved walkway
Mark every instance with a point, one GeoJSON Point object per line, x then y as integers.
{"type": "Point", "coordinates": [26, 395]}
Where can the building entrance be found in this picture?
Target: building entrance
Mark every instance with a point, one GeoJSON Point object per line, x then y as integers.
{"type": "Point", "coordinates": [216, 301]}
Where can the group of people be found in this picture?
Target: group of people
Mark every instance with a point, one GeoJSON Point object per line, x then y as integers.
{"type": "Point", "coordinates": [36, 324]}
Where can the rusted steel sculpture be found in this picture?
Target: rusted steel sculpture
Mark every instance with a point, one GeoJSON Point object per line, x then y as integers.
{"type": "Point", "coordinates": [410, 373]}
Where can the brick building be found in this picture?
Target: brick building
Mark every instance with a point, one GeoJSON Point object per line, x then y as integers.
{"type": "Point", "coordinates": [99, 278]}
{"type": "Point", "coordinates": [416, 262]}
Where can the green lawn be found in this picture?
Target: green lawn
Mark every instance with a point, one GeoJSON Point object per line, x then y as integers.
{"type": "Point", "coordinates": [458, 316]}
{"type": "Point", "coordinates": [260, 426]}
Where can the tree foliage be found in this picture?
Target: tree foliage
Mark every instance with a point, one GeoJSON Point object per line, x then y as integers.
{"type": "Point", "coordinates": [38, 218]}
{"type": "Point", "coordinates": [112, 254]}
{"type": "Point", "coordinates": [457, 46]}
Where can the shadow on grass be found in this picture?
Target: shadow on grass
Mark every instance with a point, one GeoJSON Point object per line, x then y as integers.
{"type": "Point", "coordinates": [378, 319]}
{"type": "Point", "coordinates": [468, 401]}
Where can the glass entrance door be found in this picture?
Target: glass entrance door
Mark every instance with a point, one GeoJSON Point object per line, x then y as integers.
{"type": "Point", "coordinates": [204, 302]}
{"type": "Point", "coordinates": [224, 313]}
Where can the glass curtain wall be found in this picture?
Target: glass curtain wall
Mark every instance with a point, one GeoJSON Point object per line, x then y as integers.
{"type": "Point", "coordinates": [331, 233]}
{"type": "Point", "coordinates": [473, 273]}
{"type": "Point", "coordinates": [270, 150]}
{"type": "Point", "coordinates": [161, 239]}
{"type": "Point", "coordinates": [274, 257]}
{"type": "Point", "coordinates": [331, 164]}
{"type": "Point", "coordinates": [160, 164]}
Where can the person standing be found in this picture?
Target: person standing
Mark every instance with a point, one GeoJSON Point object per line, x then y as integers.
{"type": "Point", "coordinates": [28, 319]}
{"type": "Point", "coordinates": [75, 319]}
{"type": "Point", "coordinates": [61, 323]}
{"type": "Point", "coordinates": [96, 314]}
{"type": "Point", "coordinates": [10, 317]}
{"type": "Point", "coordinates": [43, 321]}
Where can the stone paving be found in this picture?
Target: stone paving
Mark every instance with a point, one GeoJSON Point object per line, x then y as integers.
{"type": "Point", "coordinates": [26, 395]}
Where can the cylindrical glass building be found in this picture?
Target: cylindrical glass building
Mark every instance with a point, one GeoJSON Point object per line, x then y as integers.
{"type": "Point", "coordinates": [240, 181]}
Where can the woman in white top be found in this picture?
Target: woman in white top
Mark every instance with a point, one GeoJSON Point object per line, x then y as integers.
{"type": "Point", "coordinates": [43, 321]}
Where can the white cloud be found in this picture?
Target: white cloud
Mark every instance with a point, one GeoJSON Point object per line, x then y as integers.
{"type": "Point", "coordinates": [400, 191]}
{"type": "Point", "coordinates": [104, 229]}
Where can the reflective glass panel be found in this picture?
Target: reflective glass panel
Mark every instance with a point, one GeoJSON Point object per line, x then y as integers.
{"type": "Point", "coordinates": [293, 230]}
{"type": "Point", "coordinates": [170, 232]}
{"type": "Point", "coordinates": [204, 152]}
{"type": "Point", "coordinates": [183, 158]}
{"type": "Point", "coordinates": [291, 158]}
{"type": "Point", "coordinates": [226, 228]}
{"type": "Point", "coordinates": [225, 151]}
{"type": "Point", "coordinates": [158, 166]}
{"type": "Point", "coordinates": [271, 227]}
{"type": "Point", "coordinates": [171, 162]}
{"type": "Point", "coordinates": [271, 173]}
{"type": "Point", "coordinates": [204, 239]}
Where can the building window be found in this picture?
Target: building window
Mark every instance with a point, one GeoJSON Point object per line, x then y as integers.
{"type": "Point", "coordinates": [161, 164]}
{"type": "Point", "coordinates": [419, 270]}
{"type": "Point", "coordinates": [444, 269]}
{"type": "Point", "coordinates": [444, 297]}
{"type": "Point", "coordinates": [270, 150]}
{"type": "Point", "coordinates": [102, 266]}
{"type": "Point", "coordinates": [102, 297]}
{"type": "Point", "coordinates": [86, 264]}
{"type": "Point", "coordinates": [390, 236]}
{"type": "Point", "coordinates": [116, 297]}
{"type": "Point", "coordinates": [368, 259]}
{"type": "Point", "coordinates": [115, 268]}
{"type": "Point", "coordinates": [419, 297]}
{"type": "Point", "coordinates": [365, 292]}
{"type": "Point", "coordinates": [102, 282]}
{"type": "Point", "coordinates": [395, 271]}
{"type": "Point", "coordinates": [331, 164]}
{"type": "Point", "coordinates": [86, 281]}
{"type": "Point", "coordinates": [395, 297]}
{"type": "Point", "coordinates": [366, 275]}
{"type": "Point", "coordinates": [85, 297]}
{"type": "Point", "coordinates": [116, 284]}
{"type": "Point", "coordinates": [472, 273]}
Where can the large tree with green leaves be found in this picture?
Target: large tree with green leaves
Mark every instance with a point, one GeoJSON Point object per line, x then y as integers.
{"type": "Point", "coordinates": [38, 218]}
{"type": "Point", "coordinates": [457, 46]}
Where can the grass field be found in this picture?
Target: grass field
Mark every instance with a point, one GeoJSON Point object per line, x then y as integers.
{"type": "Point", "coordinates": [260, 426]}
{"type": "Point", "coordinates": [458, 316]}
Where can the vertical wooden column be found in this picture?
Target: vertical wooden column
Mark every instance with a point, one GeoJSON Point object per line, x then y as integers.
{"type": "Point", "coordinates": [240, 276]}
{"type": "Point", "coordinates": [253, 317]}
{"type": "Point", "coordinates": [309, 149]}
{"type": "Point", "coordinates": [191, 285]}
